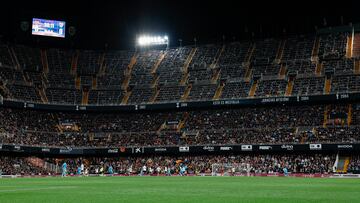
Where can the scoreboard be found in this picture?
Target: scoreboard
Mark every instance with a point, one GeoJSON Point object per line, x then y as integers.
{"type": "Point", "coordinates": [52, 28]}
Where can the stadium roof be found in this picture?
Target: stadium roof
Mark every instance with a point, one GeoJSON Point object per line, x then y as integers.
{"type": "Point", "coordinates": [116, 24]}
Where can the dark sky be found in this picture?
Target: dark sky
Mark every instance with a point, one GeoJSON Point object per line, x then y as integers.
{"type": "Point", "coordinates": [116, 24]}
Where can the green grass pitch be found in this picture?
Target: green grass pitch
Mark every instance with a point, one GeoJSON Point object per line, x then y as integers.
{"type": "Point", "coordinates": [178, 189]}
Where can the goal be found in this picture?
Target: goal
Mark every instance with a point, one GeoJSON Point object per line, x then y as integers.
{"type": "Point", "coordinates": [223, 169]}
{"type": "Point", "coordinates": [229, 169]}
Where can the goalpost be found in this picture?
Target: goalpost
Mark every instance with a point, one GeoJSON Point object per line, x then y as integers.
{"type": "Point", "coordinates": [230, 169]}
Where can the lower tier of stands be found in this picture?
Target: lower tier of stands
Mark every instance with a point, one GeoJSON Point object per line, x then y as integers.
{"type": "Point", "coordinates": [152, 165]}
{"type": "Point", "coordinates": [334, 123]}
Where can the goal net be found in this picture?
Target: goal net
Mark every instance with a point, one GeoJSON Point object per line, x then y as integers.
{"type": "Point", "coordinates": [230, 169]}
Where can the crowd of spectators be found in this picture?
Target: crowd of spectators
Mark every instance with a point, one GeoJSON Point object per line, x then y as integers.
{"type": "Point", "coordinates": [170, 165]}
{"type": "Point", "coordinates": [19, 166]}
{"type": "Point", "coordinates": [354, 165]}
{"type": "Point", "coordinates": [250, 125]}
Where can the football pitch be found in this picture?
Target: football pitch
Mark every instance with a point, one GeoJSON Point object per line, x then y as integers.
{"type": "Point", "coordinates": [178, 189]}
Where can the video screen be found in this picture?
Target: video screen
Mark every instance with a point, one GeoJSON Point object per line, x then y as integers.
{"type": "Point", "coordinates": [52, 28]}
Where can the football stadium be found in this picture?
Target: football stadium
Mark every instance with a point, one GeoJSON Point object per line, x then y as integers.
{"type": "Point", "coordinates": [178, 102]}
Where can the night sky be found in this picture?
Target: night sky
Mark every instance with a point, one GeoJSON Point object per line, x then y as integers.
{"type": "Point", "coordinates": [116, 24]}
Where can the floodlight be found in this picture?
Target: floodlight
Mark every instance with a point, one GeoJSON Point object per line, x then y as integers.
{"type": "Point", "coordinates": [149, 40]}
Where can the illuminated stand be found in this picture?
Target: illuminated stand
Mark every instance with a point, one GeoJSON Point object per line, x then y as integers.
{"type": "Point", "coordinates": [144, 41]}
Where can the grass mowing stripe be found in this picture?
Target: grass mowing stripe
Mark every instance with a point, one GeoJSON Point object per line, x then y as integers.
{"type": "Point", "coordinates": [44, 188]}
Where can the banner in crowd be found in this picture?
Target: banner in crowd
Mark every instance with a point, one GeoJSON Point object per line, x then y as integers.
{"type": "Point", "coordinates": [190, 105]}
{"type": "Point", "coordinates": [198, 149]}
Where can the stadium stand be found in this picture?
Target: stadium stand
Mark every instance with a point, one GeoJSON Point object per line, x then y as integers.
{"type": "Point", "coordinates": [268, 63]}
{"type": "Point", "coordinates": [196, 165]}
{"type": "Point", "coordinates": [264, 68]}
{"type": "Point", "coordinates": [235, 126]}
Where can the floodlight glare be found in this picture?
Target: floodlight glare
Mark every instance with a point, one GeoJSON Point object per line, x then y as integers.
{"type": "Point", "coordinates": [146, 40]}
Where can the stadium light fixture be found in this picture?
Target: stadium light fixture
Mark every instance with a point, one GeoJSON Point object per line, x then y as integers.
{"type": "Point", "coordinates": [148, 40]}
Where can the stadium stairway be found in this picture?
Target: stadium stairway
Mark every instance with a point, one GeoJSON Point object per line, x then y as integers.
{"type": "Point", "coordinates": [249, 54]}
{"type": "Point", "coordinates": [315, 50]}
{"type": "Point", "coordinates": [94, 83]}
{"type": "Point", "coordinates": [125, 84]}
{"type": "Point", "coordinates": [289, 86]}
{"type": "Point", "coordinates": [126, 97]}
{"type": "Point", "coordinates": [171, 126]}
{"type": "Point", "coordinates": [303, 138]}
{"type": "Point", "coordinates": [326, 114]}
{"type": "Point", "coordinates": [214, 64]}
{"type": "Point", "coordinates": [85, 96]}
{"type": "Point", "coordinates": [77, 82]}
{"type": "Point", "coordinates": [59, 128]}
{"type": "Point", "coordinates": [327, 86]}
{"type": "Point", "coordinates": [218, 91]}
{"type": "Point", "coordinates": [26, 78]}
{"type": "Point", "coordinates": [356, 46]}
{"type": "Point", "coordinates": [155, 95]}
{"type": "Point", "coordinates": [280, 51]}
{"type": "Point", "coordinates": [185, 75]}
{"type": "Point", "coordinates": [188, 136]}
{"type": "Point", "coordinates": [357, 67]}
{"type": "Point", "coordinates": [158, 62]}
{"type": "Point", "coordinates": [297, 130]}
{"type": "Point", "coordinates": [186, 93]}
{"type": "Point", "coordinates": [133, 61]}
{"type": "Point", "coordinates": [217, 57]}
{"type": "Point", "coordinates": [102, 68]}
{"type": "Point", "coordinates": [253, 89]}
{"type": "Point", "coordinates": [318, 69]}
{"type": "Point", "coordinates": [188, 60]}
{"type": "Point", "coordinates": [248, 73]}
{"type": "Point", "coordinates": [182, 122]}
{"type": "Point", "coordinates": [155, 81]}
{"type": "Point", "coordinates": [346, 165]}
{"type": "Point", "coordinates": [216, 77]}
{"type": "Point", "coordinates": [43, 97]}
{"type": "Point", "coordinates": [184, 78]}
{"type": "Point", "coordinates": [303, 133]}
{"type": "Point", "coordinates": [349, 46]}
{"type": "Point", "coordinates": [162, 127]}
{"type": "Point", "coordinates": [342, 164]}
{"type": "Point", "coordinates": [282, 72]}
{"type": "Point", "coordinates": [314, 131]}
{"type": "Point", "coordinates": [55, 117]}
{"type": "Point", "coordinates": [14, 58]}
{"type": "Point", "coordinates": [349, 115]}
{"type": "Point", "coordinates": [74, 61]}
{"type": "Point", "coordinates": [44, 61]}
{"type": "Point", "coordinates": [6, 91]}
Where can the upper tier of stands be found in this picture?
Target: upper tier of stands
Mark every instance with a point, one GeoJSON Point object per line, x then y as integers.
{"type": "Point", "coordinates": [268, 67]}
